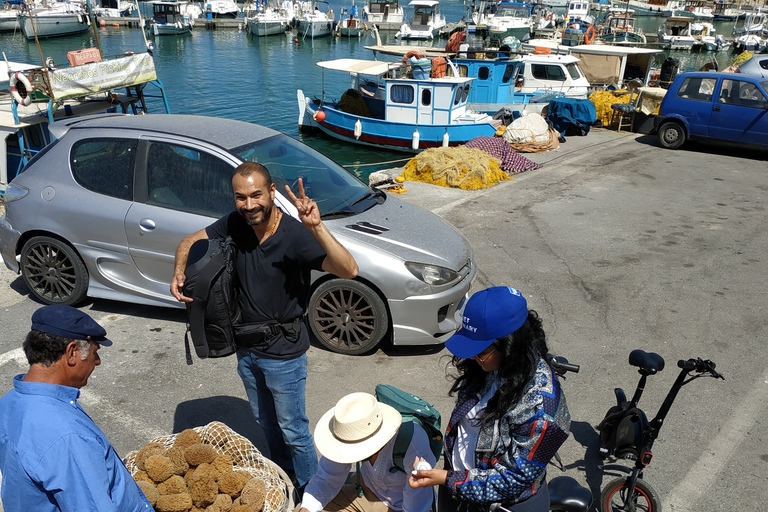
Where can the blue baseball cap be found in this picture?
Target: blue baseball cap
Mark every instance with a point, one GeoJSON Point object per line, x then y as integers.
{"type": "Point", "coordinates": [488, 315]}
{"type": "Point", "coordinates": [68, 322]}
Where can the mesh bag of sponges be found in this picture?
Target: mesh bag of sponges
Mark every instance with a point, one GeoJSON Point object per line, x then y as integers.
{"type": "Point", "coordinates": [211, 468]}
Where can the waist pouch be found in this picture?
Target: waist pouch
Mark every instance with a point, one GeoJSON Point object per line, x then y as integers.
{"type": "Point", "coordinates": [260, 334]}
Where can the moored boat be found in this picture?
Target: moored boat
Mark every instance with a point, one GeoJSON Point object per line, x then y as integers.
{"type": "Point", "coordinates": [383, 11]}
{"type": "Point", "coordinates": [350, 24]}
{"type": "Point", "coordinates": [512, 19]}
{"type": "Point", "coordinates": [316, 21]}
{"type": "Point", "coordinates": [168, 18]}
{"type": "Point", "coordinates": [621, 28]}
{"type": "Point", "coordinates": [220, 9]}
{"type": "Point", "coordinates": [268, 21]}
{"type": "Point", "coordinates": [57, 19]}
{"type": "Point", "coordinates": [426, 20]}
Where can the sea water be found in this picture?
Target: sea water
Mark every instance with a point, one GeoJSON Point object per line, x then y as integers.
{"type": "Point", "coordinates": [227, 73]}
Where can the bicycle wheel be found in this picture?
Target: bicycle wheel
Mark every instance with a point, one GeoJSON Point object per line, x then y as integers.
{"type": "Point", "coordinates": [614, 497]}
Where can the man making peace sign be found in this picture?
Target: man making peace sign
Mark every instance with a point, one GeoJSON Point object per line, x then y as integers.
{"type": "Point", "coordinates": [275, 256]}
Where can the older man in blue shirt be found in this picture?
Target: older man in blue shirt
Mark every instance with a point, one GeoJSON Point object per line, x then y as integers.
{"type": "Point", "coordinates": [53, 457]}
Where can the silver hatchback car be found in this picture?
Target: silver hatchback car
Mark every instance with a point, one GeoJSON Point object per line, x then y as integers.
{"type": "Point", "coordinates": [101, 210]}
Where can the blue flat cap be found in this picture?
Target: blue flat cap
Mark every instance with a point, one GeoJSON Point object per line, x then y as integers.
{"type": "Point", "coordinates": [68, 322]}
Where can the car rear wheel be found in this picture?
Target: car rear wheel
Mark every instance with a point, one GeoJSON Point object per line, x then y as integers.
{"type": "Point", "coordinates": [53, 271]}
{"type": "Point", "coordinates": [671, 135]}
{"type": "Point", "coordinates": [348, 316]}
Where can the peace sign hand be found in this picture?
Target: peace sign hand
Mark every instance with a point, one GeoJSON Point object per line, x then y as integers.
{"type": "Point", "coordinates": [308, 211]}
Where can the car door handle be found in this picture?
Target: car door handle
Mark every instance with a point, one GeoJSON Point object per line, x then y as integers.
{"type": "Point", "coordinates": [147, 224]}
{"type": "Point", "coordinates": [716, 108]}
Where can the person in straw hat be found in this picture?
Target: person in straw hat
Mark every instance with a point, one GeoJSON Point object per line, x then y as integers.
{"type": "Point", "coordinates": [361, 430]}
{"type": "Point", "coordinates": [510, 417]}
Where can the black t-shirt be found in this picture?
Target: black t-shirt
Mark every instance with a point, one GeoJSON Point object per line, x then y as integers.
{"type": "Point", "coordinates": [274, 277]}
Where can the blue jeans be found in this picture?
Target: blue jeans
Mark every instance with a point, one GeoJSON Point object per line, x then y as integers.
{"type": "Point", "coordinates": [276, 392]}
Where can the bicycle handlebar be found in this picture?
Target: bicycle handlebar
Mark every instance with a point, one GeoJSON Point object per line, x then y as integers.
{"type": "Point", "coordinates": [700, 366]}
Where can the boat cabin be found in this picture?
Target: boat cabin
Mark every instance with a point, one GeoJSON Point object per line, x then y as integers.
{"type": "Point", "coordinates": [676, 26]}
{"type": "Point", "coordinates": [610, 65]}
{"type": "Point", "coordinates": [383, 10]}
{"type": "Point", "coordinates": [425, 12]}
{"type": "Point", "coordinates": [167, 12]}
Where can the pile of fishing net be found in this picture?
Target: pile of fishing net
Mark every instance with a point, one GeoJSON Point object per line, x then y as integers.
{"type": "Point", "coordinates": [738, 61]}
{"type": "Point", "coordinates": [457, 167]}
{"type": "Point", "coordinates": [603, 101]}
{"type": "Point", "coordinates": [352, 102]}
{"type": "Point", "coordinates": [531, 134]}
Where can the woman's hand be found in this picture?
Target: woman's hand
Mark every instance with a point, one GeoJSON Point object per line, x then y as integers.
{"type": "Point", "coordinates": [426, 477]}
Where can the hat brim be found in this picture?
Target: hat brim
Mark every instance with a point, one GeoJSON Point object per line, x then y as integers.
{"type": "Point", "coordinates": [346, 453]}
{"type": "Point", "coordinates": [464, 347]}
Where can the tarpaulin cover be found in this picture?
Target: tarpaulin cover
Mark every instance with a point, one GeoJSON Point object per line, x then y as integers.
{"type": "Point", "coordinates": [571, 116]}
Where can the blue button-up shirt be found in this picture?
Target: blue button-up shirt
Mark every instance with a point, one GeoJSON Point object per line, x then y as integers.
{"type": "Point", "coordinates": [53, 457]}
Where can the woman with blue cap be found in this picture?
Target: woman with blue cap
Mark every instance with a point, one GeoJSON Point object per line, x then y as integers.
{"type": "Point", "coordinates": [510, 416]}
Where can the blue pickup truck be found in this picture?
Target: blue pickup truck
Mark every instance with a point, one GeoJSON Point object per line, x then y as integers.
{"type": "Point", "coordinates": [716, 106]}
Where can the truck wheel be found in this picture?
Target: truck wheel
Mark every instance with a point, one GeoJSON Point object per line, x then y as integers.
{"type": "Point", "coordinates": [53, 271]}
{"type": "Point", "coordinates": [347, 316]}
{"type": "Point", "coordinates": [671, 135]}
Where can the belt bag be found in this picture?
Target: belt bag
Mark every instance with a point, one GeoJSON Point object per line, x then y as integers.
{"type": "Point", "coordinates": [259, 334]}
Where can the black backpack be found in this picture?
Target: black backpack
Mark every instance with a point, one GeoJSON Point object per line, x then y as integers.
{"type": "Point", "coordinates": [211, 281]}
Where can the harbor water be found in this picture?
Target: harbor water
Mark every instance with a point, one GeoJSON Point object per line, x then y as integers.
{"type": "Point", "coordinates": [230, 74]}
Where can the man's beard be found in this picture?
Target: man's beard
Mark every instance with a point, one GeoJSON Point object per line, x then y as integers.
{"type": "Point", "coordinates": [266, 214]}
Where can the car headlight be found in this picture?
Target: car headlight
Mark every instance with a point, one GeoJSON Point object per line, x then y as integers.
{"type": "Point", "coordinates": [14, 192]}
{"type": "Point", "coordinates": [432, 274]}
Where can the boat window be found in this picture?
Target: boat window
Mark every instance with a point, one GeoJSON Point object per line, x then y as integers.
{"type": "Point", "coordinates": [743, 94]}
{"type": "Point", "coordinates": [465, 94]}
{"type": "Point", "coordinates": [548, 72]}
{"type": "Point", "coordinates": [573, 70]}
{"type": "Point", "coordinates": [483, 73]}
{"type": "Point", "coordinates": [189, 180]}
{"type": "Point", "coordinates": [697, 88]}
{"type": "Point", "coordinates": [401, 94]}
{"type": "Point", "coordinates": [463, 70]}
{"type": "Point", "coordinates": [457, 98]}
{"type": "Point", "coordinates": [336, 191]}
{"type": "Point", "coordinates": [426, 97]}
{"type": "Point", "coordinates": [105, 166]}
{"type": "Point", "coordinates": [508, 72]}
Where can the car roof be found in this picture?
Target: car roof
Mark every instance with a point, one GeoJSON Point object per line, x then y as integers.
{"type": "Point", "coordinates": [226, 133]}
{"type": "Point", "coordinates": [720, 74]}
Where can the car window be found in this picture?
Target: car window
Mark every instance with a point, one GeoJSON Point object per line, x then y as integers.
{"type": "Point", "coordinates": [105, 165]}
{"type": "Point", "coordinates": [548, 72]}
{"type": "Point", "coordinates": [743, 94]}
{"type": "Point", "coordinates": [697, 88]}
{"type": "Point", "coordinates": [332, 187]}
{"type": "Point", "coordinates": [188, 180]}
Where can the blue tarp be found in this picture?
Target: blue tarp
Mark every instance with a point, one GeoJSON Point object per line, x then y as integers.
{"type": "Point", "coordinates": [570, 116]}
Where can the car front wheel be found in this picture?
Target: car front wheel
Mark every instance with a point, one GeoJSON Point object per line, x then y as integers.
{"type": "Point", "coordinates": [347, 316]}
{"type": "Point", "coordinates": [53, 271]}
{"type": "Point", "coordinates": [671, 135]}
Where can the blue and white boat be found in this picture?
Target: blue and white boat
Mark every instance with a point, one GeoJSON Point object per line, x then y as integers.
{"type": "Point", "coordinates": [388, 108]}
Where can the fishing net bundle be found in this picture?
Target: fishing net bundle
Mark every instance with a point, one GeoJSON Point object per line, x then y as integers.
{"type": "Point", "coordinates": [245, 458]}
{"type": "Point", "coordinates": [457, 167]}
{"type": "Point", "coordinates": [603, 101]}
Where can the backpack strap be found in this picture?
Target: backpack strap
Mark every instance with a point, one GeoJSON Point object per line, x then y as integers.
{"type": "Point", "coordinates": [208, 275]}
{"type": "Point", "coordinates": [402, 442]}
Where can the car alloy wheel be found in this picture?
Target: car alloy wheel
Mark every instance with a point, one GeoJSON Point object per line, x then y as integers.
{"type": "Point", "coordinates": [347, 316]}
{"type": "Point", "coordinates": [53, 271]}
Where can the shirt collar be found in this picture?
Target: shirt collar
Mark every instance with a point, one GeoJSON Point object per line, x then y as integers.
{"type": "Point", "coordinates": [63, 393]}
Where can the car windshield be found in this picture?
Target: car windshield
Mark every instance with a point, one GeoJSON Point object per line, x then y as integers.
{"type": "Point", "coordinates": [336, 191]}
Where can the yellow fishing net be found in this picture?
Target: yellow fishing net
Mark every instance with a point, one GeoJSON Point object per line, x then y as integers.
{"type": "Point", "coordinates": [603, 101]}
{"type": "Point", "coordinates": [738, 61]}
{"type": "Point", "coordinates": [457, 167]}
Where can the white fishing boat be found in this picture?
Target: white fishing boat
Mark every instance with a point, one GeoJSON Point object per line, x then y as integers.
{"type": "Point", "coordinates": [168, 18]}
{"type": "Point", "coordinates": [220, 9]}
{"type": "Point", "coordinates": [511, 19]}
{"type": "Point", "coordinates": [621, 28]}
{"type": "Point", "coordinates": [383, 11]}
{"type": "Point", "coordinates": [9, 16]}
{"type": "Point", "coordinates": [675, 33]}
{"type": "Point", "coordinates": [54, 20]}
{"type": "Point", "coordinates": [317, 21]}
{"type": "Point", "coordinates": [113, 8]}
{"type": "Point", "coordinates": [726, 11]}
{"type": "Point", "coordinates": [425, 23]}
{"type": "Point", "coordinates": [750, 23]}
{"type": "Point", "coordinates": [350, 24]}
{"type": "Point", "coordinates": [578, 13]}
{"type": "Point", "coordinates": [268, 21]}
{"type": "Point", "coordinates": [705, 38]}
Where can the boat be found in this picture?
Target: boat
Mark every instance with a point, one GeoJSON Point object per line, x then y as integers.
{"type": "Point", "coordinates": [675, 33]}
{"type": "Point", "coordinates": [612, 66]}
{"type": "Point", "coordinates": [750, 23]}
{"type": "Point", "coordinates": [383, 11]}
{"type": "Point", "coordinates": [168, 18]}
{"type": "Point", "coordinates": [350, 24]}
{"type": "Point", "coordinates": [9, 12]}
{"type": "Point", "coordinates": [726, 11]}
{"type": "Point", "coordinates": [674, 8]}
{"type": "Point", "coordinates": [396, 106]}
{"type": "Point", "coordinates": [425, 23]}
{"type": "Point", "coordinates": [54, 20]}
{"type": "Point", "coordinates": [512, 19]}
{"type": "Point", "coordinates": [701, 9]}
{"type": "Point", "coordinates": [37, 96]}
{"type": "Point", "coordinates": [578, 13]}
{"type": "Point", "coordinates": [114, 8]}
{"type": "Point", "coordinates": [621, 28]}
{"type": "Point", "coordinates": [216, 9]}
{"type": "Point", "coordinates": [316, 21]}
{"type": "Point", "coordinates": [268, 20]}
{"type": "Point", "coordinates": [705, 38]}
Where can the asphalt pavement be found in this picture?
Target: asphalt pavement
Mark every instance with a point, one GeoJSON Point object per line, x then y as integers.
{"type": "Point", "coordinates": [617, 243]}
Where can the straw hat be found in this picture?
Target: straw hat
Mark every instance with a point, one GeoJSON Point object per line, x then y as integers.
{"type": "Point", "coordinates": [356, 428]}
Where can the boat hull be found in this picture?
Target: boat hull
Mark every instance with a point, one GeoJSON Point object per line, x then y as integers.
{"type": "Point", "coordinates": [313, 28]}
{"type": "Point", "coordinates": [169, 29]}
{"type": "Point", "coordinates": [267, 28]}
{"type": "Point", "coordinates": [53, 26]}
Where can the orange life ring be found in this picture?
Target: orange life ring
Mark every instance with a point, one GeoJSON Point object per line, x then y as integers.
{"type": "Point", "coordinates": [455, 41]}
{"type": "Point", "coordinates": [410, 54]}
{"type": "Point", "coordinates": [589, 36]}
{"type": "Point", "coordinates": [691, 8]}
{"type": "Point", "coordinates": [549, 17]}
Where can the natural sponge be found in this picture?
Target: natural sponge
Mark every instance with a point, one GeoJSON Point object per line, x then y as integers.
{"type": "Point", "coordinates": [253, 494]}
{"type": "Point", "coordinates": [174, 485]}
{"type": "Point", "coordinates": [222, 464]}
{"type": "Point", "coordinates": [174, 503]}
{"type": "Point", "coordinates": [203, 490]}
{"type": "Point", "coordinates": [239, 449]}
{"type": "Point", "coordinates": [222, 503]}
{"type": "Point", "coordinates": [148, 450]}
{"type": "Point", "coordinates": [149, 491]}
{"type": "Point", "coordinates": [186, 438]}
{"type": "Point", "coordinates": [232, 483]}
{"type": "Point", "coordinates": [197, 454]}
{"type": "Point", "coordinates": [216, 433]}
{"type": "Point", "coordinates": [158, 467]}
{"type": "Point", "coordinates": [180, 464]}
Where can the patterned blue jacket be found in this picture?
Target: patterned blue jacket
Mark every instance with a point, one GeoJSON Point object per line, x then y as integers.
{"type": "Point", "coordinates": [511, 455]}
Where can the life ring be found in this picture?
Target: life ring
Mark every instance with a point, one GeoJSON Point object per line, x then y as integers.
{"type": "Point", "coordinates": [549, 17]}
{"type": "Point", "coordinates": [690, 8]}
{"type": "Point", "coordinates": [589, 36]}
{"type": "Point", "coordinates": [18, 77]}
{"type": "Point", "coordinates": [410, 54]}
{"type": "Point", "coordinates": [454, 42]}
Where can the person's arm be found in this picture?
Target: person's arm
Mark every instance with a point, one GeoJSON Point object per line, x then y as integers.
{"type": "Point", "coordinates": [324, 485]}
{"type": "Point", "coordinates": [338, 260]}
{"type": "Point", "coordinates": [180, 264]}
{"type": "Point", "coordinates": [419, 498]}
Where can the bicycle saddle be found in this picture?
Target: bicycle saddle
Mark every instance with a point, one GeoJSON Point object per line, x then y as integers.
{"type": "Point", "coordinates": [567, 495]}
{"type": "Point", "coordinates": [648, 362]}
